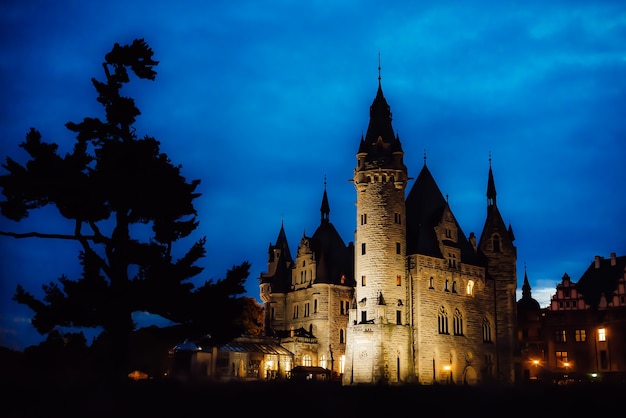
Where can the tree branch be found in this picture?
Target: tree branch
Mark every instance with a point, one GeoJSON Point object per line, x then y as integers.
{"type": "Point", "coordinates": [41, 235]}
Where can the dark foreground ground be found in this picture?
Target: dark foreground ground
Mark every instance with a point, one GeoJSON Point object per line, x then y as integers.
{"type": "Point", "coordinates": [169, 398]}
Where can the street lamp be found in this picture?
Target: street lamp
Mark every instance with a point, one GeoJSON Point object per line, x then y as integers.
{"type": "Point", "coordinates": [448, 369]}
{"type": "Point", "coordinates": [566, 365]}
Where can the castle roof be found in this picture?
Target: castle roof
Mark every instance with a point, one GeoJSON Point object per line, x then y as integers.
{"type": "Point", "coordinates": [380, 143]}
{"type": "Point", "coordinates": [527, 303]}
{"type": "Point", "coordinates": [601, 278]}
{"type": "Point", "coordinates": [334, 258]}
{"type": "Point", "coordinates": [425, 205]}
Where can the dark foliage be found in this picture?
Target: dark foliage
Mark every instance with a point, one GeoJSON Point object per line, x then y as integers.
{"type": "Point", "coordinates": [112, 185]}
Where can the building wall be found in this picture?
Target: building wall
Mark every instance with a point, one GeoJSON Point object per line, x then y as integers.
{"type": "Point", "coordinates": [572, 341]}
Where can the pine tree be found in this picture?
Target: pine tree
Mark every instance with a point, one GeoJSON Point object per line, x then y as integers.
{"type": "Point", "coordinates": [128, 205]}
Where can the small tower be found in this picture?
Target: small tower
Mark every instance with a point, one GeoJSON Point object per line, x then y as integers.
{"type": "Point", "coordinates": [379, 348]}
{"type": "Point", "coordinates": [496, 245]}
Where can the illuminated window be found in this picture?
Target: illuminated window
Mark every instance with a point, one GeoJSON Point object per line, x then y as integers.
{"type": "Point", "coordinates": [398, 280]}
{"type": "Point", "coordinates": [602, 334]}
{"type": "Point", "coordinates": [442, 321]}
{"type": "Point", "coordinates": [323, 361]}
{"type": "Point", "coordinates": [561, 359]}
{"type": "Point", "coordinates": [470, 287]}
{"type": "Point", "coordinates": [287, 362]}
{"type": "Point", "coordinates": [363, 280]}
{"type": "Point", "coordinates": [306, 360]}
{"type": "Point", "coordinates": [580, 335]}
{"type": "Point", "coordinates": [486, 331]}
{"type": "Point", "coordinates": [342, 364]}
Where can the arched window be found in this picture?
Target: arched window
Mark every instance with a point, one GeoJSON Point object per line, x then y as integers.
{"type": "Point", "coordinates": [442, 321]}
{"type": "Point", "coordinates": [458, 322]}
{"type": "Point", "coordinates": [341, 337]}
{"type": "Point", "coordinates": [486, 331]}
{"type": "Point", "coordinates": [306, 360]}
{"type": "Point", "coordinates": [470, 287]}
{"type": "Point", "coordinates": [431, 283]}
{"type": "Point", "coordinates": [496, 243]}
{"type": "Point", "coordinates": [323, 361]}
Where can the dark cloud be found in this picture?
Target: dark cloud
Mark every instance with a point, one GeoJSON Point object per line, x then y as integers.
{"type": "Point", "coordinates": [262, 103]}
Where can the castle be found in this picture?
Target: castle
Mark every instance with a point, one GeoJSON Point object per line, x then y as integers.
{"type": "Point", "coordinates": [412, 299]}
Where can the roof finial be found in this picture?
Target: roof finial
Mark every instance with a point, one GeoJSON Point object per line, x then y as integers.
{"type": "Point", "coordinates": [490, 158]}
{"type": "Point", "coordinates": [424, 156]}
{"type": "Point", "coordinates": [324, 181]}
{"type": "Point", "coordinates": [378, 67]}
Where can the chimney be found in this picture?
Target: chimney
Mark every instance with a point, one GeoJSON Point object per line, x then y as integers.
{"type": "Point", "coordinates": [597, 261]}
{"type": "Point", "coordinates": [472, 240]}
{"type": "Point", "coordinates": [613, 261]}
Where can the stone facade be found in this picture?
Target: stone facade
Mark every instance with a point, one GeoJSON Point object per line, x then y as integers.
{"type": "Point", "coordinates": [413, 300]}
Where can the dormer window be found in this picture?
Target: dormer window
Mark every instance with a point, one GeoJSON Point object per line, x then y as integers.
{"type": "Point", "coordinates": [495, 239]}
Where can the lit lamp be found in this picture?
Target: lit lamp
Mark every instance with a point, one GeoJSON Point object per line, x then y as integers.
{"type": "Point", "coordinates": [536, 363]}
{"type": "Point", "coordinates": [448, 368]}
{"type": "Point", "coordinates": [566, 365]}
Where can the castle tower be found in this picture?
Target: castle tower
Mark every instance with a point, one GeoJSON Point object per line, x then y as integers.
{"type": "Point", "coordinates": [378, 338]}
{"type": "Point", "coordinates": [496, 244]}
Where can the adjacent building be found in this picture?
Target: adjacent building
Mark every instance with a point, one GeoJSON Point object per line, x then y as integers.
{"type": "Point", "coordinates": [581, 336]}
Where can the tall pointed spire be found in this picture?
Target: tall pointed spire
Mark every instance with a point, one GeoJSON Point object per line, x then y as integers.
{"type": "Point", "coordinates": [491, 186]}
{"type": "Point", "coordinates": [325, 208]}
{"type": "Point", "coordinates": [381, 147]}
{"type": "Point", "coordinates": [526, 285]}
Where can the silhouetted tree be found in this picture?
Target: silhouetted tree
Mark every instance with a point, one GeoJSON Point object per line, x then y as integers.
{"type": "Point", "coordinates": [128, 204]}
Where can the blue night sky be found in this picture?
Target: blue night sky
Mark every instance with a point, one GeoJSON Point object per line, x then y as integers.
{"type": "Point", "coordinates": [264, 100]}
